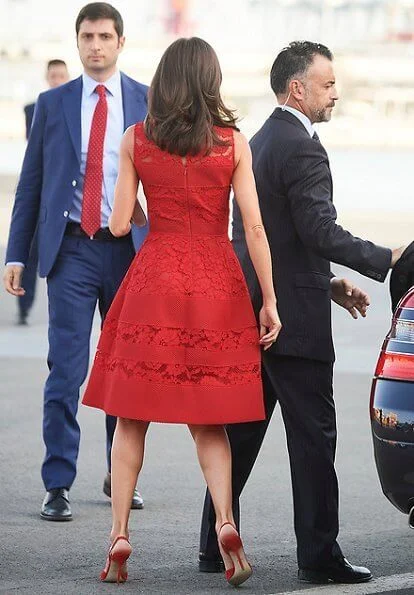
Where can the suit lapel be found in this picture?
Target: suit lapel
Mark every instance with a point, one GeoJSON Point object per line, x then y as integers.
{"type": "Point", "coordinates": [129, 102]}
{"type": "Point", "coordinates": [72, 109]}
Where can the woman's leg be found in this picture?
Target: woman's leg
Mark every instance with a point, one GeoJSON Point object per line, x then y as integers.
{"type": "Point", "coordinates": [127, 458]}
{"type": "Point", "coordinates": [214, 455]}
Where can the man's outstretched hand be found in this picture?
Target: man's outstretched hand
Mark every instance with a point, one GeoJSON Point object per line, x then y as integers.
{"type": "Point", "coordinates": [396, 255]}
{"type": "Point", "coordinates": [349, 296]}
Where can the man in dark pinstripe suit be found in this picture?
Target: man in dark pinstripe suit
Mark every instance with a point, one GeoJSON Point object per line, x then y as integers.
{"type": "Point", "coordinates": [295, 192]}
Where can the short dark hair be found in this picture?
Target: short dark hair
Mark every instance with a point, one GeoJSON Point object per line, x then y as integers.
{"type": "Point", "coordinates": [56, 62]}
{"type": "Point", "coordinates": [293, 62]}
{"type": "Point", "coordinates": [100, 10]}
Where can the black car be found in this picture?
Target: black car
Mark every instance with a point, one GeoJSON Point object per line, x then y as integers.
{"type": "Point", "coordinates": [392, 395]}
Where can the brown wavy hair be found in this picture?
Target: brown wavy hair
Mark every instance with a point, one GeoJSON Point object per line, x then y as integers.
{"type": "Point", "coordinates": [184, 101]}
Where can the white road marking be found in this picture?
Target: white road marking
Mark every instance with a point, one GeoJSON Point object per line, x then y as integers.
{"type": "Point", "coordinates": [380, 584]}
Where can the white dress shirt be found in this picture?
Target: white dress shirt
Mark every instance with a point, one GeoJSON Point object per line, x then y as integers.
{"type": "Point", "coordinates": [301, 117]}
{"type": "Point", "coordinates": [113, 136]}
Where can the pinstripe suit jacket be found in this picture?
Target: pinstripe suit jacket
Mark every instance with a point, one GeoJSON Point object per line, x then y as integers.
{"type": "Point", "coordinates": [294, 185]}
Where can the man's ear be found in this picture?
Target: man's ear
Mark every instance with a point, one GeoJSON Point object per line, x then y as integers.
{"type": "Point", "coordinates": [296, 89]}
{"type": "Point", "coordinates": [121, 43]}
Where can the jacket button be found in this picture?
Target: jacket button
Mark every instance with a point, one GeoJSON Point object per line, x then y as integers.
{"type": "Point", "coordinates": [73, 183]}
{"type": "Point", "coordinates": [65, 213]}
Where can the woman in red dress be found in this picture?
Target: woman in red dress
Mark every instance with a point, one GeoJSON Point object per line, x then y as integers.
{"type": "Point", "coordinates": [180, 343]}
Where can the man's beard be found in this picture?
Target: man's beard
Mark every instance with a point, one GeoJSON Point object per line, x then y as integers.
{"type": "Point", "coordinates": [322, 115]}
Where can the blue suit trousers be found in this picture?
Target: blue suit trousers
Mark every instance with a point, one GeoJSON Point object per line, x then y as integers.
{"type": "Point", "coordinates": [86, 273]}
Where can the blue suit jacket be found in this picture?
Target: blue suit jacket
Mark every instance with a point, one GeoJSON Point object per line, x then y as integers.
{"type": "Point", "coordinates": [51, 168]}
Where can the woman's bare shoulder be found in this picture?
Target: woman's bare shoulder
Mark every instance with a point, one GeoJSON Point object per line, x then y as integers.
{"type": "Point", "coordinates": [241, 145]}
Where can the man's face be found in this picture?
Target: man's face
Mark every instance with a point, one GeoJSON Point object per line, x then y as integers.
{"type": "Point", "coordinates": [57, 75]}
{"type": "Point", "coordinates": [320, 92]}
{"type": "Point", "coordinates": [99, 45]}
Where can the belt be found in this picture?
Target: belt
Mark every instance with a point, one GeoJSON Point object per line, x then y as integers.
{"type": "Point", "coordinates": [102, 235]}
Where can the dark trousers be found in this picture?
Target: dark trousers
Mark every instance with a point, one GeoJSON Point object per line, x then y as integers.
{"type": "Point", "coordinates": [29, 280]}
{"type": "Point", "coordinates": [86, 272]}
{"type": "Point", "coordinates": [304, 390]}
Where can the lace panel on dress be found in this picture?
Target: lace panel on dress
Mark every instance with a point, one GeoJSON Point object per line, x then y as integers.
{"type": "Point", "coordinates": [159, 336]}
{"type": "Point", "coordinates": [205, 266]}
{"type": "Point", "coordinates": [179, 374]}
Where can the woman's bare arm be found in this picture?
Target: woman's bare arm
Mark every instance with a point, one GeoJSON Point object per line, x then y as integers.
{"type": "Point", "coordinates": [126, 205]}
{"type": "Point", "coordinates": [246, 196]}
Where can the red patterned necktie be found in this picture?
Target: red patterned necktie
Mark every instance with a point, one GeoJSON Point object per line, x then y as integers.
{"type": "Point", "coordinates": [92, 186]}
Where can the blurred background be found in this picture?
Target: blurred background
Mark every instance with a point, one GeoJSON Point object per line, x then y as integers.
{"type": "Point", "coordinates": [370, 139]}
{"type": "Point", "coordinates": [373, 41]}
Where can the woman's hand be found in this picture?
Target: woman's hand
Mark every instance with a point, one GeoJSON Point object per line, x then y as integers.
{"type": "Point", "coordinates": [270, 325]}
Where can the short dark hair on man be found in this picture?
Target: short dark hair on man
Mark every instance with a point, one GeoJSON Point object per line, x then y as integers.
{"type": "Point", "coordinates": [293, 62]}
{"type": "Point", "coordinates": [56, 62]}
{"type": "Point", "coordinates": [100, 10]}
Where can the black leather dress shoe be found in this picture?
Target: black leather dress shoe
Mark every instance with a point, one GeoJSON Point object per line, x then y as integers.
{"type": "Point", "coordinates": [206, 564]}
{"type": "Point", "coordinates": [56, 506]}
{"type": "Point", "coordinates": [22, 319]}
{"type": "Point", "coordinates": [137, 500]}
{"type": "Point", "coordinates": [339, 571]}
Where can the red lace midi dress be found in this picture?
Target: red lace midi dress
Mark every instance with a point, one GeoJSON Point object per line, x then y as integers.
{"type": "Point", "coordinates": [180, 342]}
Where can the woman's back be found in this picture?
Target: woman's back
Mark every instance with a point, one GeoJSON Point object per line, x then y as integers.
{"type": "Point", "coordinates": [186, 195]}
{"type": "Point", "coordinates": [187, 251]}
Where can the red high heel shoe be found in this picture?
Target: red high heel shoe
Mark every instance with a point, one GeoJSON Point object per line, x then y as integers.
{"type": "Point", "coordinates": [232, 548]}
{"type": "Point", "coordinates": [115, 570]}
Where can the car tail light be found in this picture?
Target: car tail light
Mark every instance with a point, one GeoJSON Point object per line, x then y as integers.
{"type": "Point", "coordinates": [396, 359]}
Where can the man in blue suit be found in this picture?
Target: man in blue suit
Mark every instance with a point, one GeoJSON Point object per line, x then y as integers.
{"type": "Point", "coordinates": [82, 268]}
{"type": "Point", "coordinates": [56, 74]}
